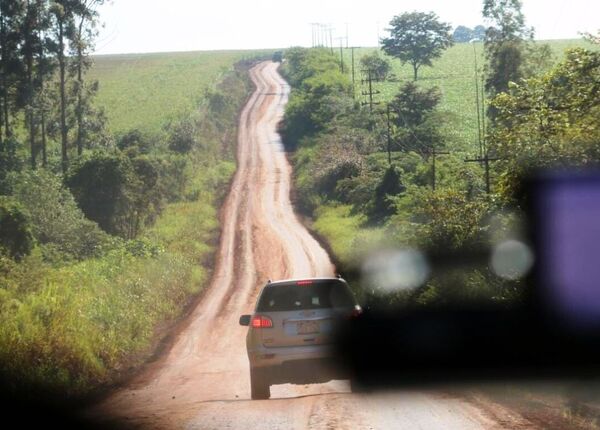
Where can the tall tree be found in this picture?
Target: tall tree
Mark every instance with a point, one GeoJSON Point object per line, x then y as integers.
{"type": "Point", "coordinates": [82, 42]}
{"type": "Point", "coordinates": [32, 29]}
{"type": "Point", "coordinates": [415, 120]}
{"type": "Point", "coordinates": [417, 38]}
{"type": "Point", "coordinates": [46, 68]}
{"type": "Point", "coordinates": [10, 14]}
{"type": "Point", "coordinates": [63, 28]}
{"type": "Point", "coordinates": [505, 43]}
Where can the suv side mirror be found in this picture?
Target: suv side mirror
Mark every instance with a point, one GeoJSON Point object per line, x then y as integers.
{"type": "Point", "coordinates": [245, 320]}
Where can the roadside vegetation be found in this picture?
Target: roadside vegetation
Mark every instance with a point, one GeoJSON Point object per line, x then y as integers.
{"type": "Point", "coordinates": [115, 251]}
{"type": "Point", "coordinates": [368, 182]}
{"type": "Point", "coordinates": [111, 177]}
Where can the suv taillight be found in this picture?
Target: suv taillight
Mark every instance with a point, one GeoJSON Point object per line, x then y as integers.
{"type": "Point", "coordinates": [356, 312]}
{"type": "Point", "coordinates": [259, 321]}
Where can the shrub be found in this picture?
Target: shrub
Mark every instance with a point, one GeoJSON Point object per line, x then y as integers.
{"type": "Point", "coordinates": [56, 220]}
{"type": "Point", "coordinates": [16, 239]}
{"type": "Point", "coordinates": [100, 185]}
{"type": "Point", "coordinates": [183, 136]}
{"type": "Point", "coordinates": [379, 66]}
{"type": "Point", "coordinates": [9, 162]}
{"type": "Point", "coordinates": [390, 186]}
{"type": "Point", "coordinates": [135, 142]}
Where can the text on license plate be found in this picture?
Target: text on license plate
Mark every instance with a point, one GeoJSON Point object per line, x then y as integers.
{"type": "Point", "coordinates": [308, 327]}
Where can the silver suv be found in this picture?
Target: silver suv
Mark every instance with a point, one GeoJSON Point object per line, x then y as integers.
{"type": "Point", "coordinates": [291, 333]}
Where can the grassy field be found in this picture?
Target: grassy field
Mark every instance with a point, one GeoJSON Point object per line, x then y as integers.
{"type": "Point", "coordinates": [454, 74]}
{"type": "Point", "coordinates": [145, 91]}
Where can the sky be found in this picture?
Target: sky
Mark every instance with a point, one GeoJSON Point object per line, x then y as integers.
{"type": "Point", "coordinates": [136, 26]}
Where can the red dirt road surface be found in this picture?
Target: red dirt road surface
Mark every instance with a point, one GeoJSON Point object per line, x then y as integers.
{"type": "Point", "coordinates": [202, 381]}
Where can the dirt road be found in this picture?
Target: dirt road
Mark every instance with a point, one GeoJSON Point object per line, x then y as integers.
{"type": "Point", "coordinates": [202, 382]}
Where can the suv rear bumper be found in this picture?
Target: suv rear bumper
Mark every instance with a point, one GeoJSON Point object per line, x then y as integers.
{"type": "Point", "coordinates": [299, 364]}
{"type": "Point", "coordinates": [276, 356]}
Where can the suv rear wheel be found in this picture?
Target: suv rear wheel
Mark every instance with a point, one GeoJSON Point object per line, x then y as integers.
{"type": "Point", "coordinates": [260, 388]}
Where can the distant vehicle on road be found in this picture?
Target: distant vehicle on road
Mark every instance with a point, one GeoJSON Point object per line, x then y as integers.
{"type": "Point", "coordinates": [291, 333]}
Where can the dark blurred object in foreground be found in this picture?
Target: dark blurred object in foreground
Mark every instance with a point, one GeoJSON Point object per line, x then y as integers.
{"type": "Point", "coordinates": [555, 332]}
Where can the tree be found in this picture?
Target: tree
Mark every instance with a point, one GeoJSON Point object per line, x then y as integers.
{"type": "Point", "coordinates": [100, 186]}
{"type": "Point", "coordinates": [390, 186]}
{"type": "Point", "coordinates": [44, 73]}
{"type": "Point", "coordinates": [417, 38]}
{"type": "Point", "coordinates": [183, 136]}
{"type": "Point", "coordinates": [505, 42]}
{"type": "Point", "coordinates": [479, 32]}
{"type": "Point", "coordinates": [120, 194]}
{"type": "Point", "coordinates": [320, 94]}
{"type": "Point", "coordinates": [413, 116]}
{"type": "Point", "coordinates": [63, 27]}
{"type": "Point", "coordinates": [549, 120]}
{"type": "Point", "coordinates": [10, 66]}
{"type": "Point", "coordinates": [35, 22]}
{"type": "Point", "coordinates": [9, 162]}
{"type": "Point", "coordinates": [56, 221]}
{"type": "Point", "coordinates": [379, 66]}
{"type": "Point", "coordinates": [539, 59]}
{"type": "Point", "coordinates": [81, 43]}
{"type": "Point", "coordinates": [593, 38]}
{"type": "Point", "coordinates": [462, 34]}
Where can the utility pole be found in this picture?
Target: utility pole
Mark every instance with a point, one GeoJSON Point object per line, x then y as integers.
{"type": "Point", "coordinates": [341, 53]}
{"type": "Point", "coordinates": [346, 35]}
{"type": "Point", "coordinates": [321, 28]}
{"type": "Point", "coordinates": [433, 152]}
{"type": "Point", "coordinates": [485, 160]}
{"type": "Point", "coordinates": [479, 111]}
{"type": "Point", "coordinates": [370, 92]}
{"type": "Point", "coordinates": [330, 29]}
{"type": "Point", "coordinates": [353, 84]}
{"type": "Point", "coordinates": [341, 39]}
{"type": "Point", "coordinates": [314, 33]}
{"type": "Point", "coordinates": [389, 136]}
{"type": "Point", "coordinates": [484, 156]}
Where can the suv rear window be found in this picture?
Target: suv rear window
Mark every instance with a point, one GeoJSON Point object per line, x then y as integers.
{"type": "Point", "coordinates": [319, 295]}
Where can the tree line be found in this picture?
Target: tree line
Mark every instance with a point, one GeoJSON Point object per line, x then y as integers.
{"type": "Point", "coordinates": [99, 190]}
{"type": "Point", "coordinates": [44, 55]}
{"type": "Point", "coordinates": [384, 169]}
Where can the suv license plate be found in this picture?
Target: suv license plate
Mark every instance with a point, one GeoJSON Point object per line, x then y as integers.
{"type": "Point", "coordinates": [308, 327]}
